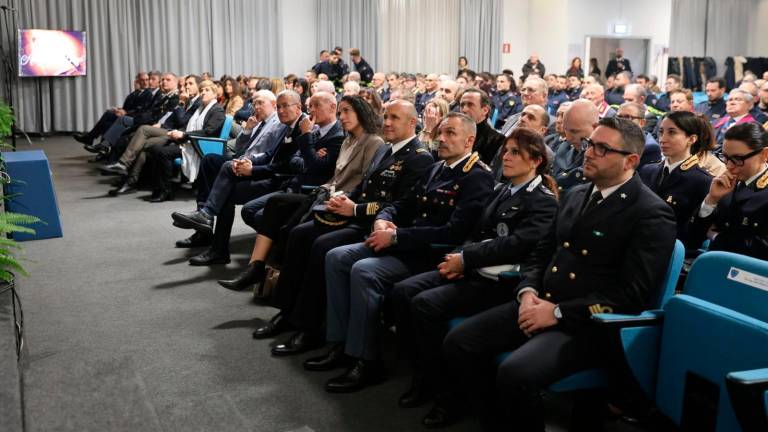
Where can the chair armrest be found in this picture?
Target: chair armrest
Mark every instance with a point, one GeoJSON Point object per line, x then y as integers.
{"type": "Point", "coordinates": [204, 138]}
{"type": "Point", "coordinates": [646, 318]}
{"type": "Point", "coordinates": [748, 391]}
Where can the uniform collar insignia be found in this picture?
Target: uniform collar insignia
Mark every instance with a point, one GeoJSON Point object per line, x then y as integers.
{"type": "Point", "coordinates": [471, 161]}
{"type": "Point", "coordinates": [532, 185]}
{"type": "Point", "coordinates": [762, 181]}
{"type": "Point", "coordinates": [689, 163]}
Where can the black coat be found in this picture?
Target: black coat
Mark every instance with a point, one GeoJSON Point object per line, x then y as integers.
{"type": "Point", "coordinates": [132, 100]}
{"type": "Point", "coordinates": [364, 69]}
{"type": "Point", "coordinates": [740, 219]}
{"type": "Point", "coordinates": [314, 170]}
{"type": "Point", "coordinates": [568, 166]}
{"type": "Point", "coordinates": [683, 189]}
{"type": "Point", "coordinates": [512, 225]}
{"type": "Point", "coordinates": [181, 115]}
{"type": "Point", "coordinates": [616, 66]}
{"type": "Point", "coordinates": [390, 178]}
{"type": "Point", "coordinates": [212, 123]}
{"type": "Point", "coordinates": [608, 259]}
{"type": "Point", "coordinates": [487, 142]}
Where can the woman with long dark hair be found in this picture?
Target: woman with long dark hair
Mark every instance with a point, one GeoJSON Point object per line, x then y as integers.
{"type": "Point", "coordinates": [679, 179]}
{"type": "Point", "coordinates": [233, 100]}
{"type": "Point", "coordinates": [575, 68]}
{"type": "Point", "coordinates": [283, 211]}
{"type": "Point", "coordinates": [736, 206]}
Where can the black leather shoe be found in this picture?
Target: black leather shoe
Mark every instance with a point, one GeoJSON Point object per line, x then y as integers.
{"type": "Point", "coordinates": [83, 138]}
{"type": "Point", "coordinates": [275, 326]}
{"type": "Point", "coordinates": [439, 417]}
{"type": "Point", "coordinates": [362, 374]}
{"type": "Point", "coordinates": [417, 395]}
{"type": "Point", "coordinates": [252, 275]}
{"type": "Point", "coordinates": [96, 148]}
{"type": "Point", "coordinates": [335, 358]}
{"type": "Point", "coordinates": [197, 239]}
{"type": "Point", "coordinates": [300, 342]}
{"type": "Point", "coordinates": [163, 195]}
{"type": "Point", "coordinates": [196, 220]}
{"type": "Point", "coordinates": [209, 257]}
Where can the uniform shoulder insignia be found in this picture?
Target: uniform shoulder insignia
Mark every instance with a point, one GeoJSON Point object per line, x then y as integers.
{"type": "Point", "coordinates": [473, 159]}
{"type": "Point", "coordinates": [532, 185]}
{"type": "Point", "coordinates": [511, 102]}
{"type": "Point", "coordinates": [762, 181]}
{"type": "Point", "coordinates": [690, 163]}
{"type": "Point", "coordinates": [598, 309]}
{"type": "Point", "coordinates": [421, 150]}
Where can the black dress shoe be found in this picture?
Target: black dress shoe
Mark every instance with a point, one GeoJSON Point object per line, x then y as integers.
{"type": "Point", "coordinates": [252, 275]}
{"type": "Point", "coordinates": [210, 257]}
{"type": "Point", "coordinates": [300, 342]}
{"type": "Point", "coordinates": [196, 220]}
{"type": "Point", "coordinates": [335, 358]}
{"type": "Point", "coordinates": [83, 138]}
{"type": "Point", "coordinates": [440, 417]}
{"type": "Point", "coordinates": [164, 195]}
{"type": "Point", "coordinates": [362, 373]}
{"type": "Point", "coordinates": [96, 148]}
{"type": "Point", "coordinates": [197, 239]}
{"type": "Point", "coordinates": [275, 326]}
{"type": "Point", "coordinates": [417, 395]}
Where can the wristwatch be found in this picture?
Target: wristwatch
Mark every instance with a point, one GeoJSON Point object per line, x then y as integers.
{"type": "Point", "coordinates": [558, 314]}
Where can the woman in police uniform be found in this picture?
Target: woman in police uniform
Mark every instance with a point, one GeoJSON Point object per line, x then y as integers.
{"type": "Point", "coordinates": [517, 215]}
{"type": "Point", "coordinates": [736, 206]}
{"type": "Point", "coordinates": [678, 179]}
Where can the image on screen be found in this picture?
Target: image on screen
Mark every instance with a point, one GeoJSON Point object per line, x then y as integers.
{"type": "Point", "coordinates": [51, 53]}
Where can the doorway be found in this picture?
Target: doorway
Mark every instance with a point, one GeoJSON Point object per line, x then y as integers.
{"type": "Point", "coordinates": [603, 48]}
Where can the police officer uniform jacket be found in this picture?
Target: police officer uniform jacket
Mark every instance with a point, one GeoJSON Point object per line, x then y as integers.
{"type": "Point", "coordinates": [567, 166]}
{"type": "Point", "coordinates": [445, 207]}
{"type": "Point", "coordinates": [610, 258]}
{"type": "Point", "coordinates": [511, 225]}
{"type": "Point", "coordinates": [390, 178]}
{"type": "Point", "coordinates": [740, 219]}
{"type": "Point", "coordinates": [364, 69]}
{"type": "Point", "coordinates": [507, 104]}
{"type": "Point", "coordinates": [684, 188]}
{"type": "Point", "coordinates": [714, 110]}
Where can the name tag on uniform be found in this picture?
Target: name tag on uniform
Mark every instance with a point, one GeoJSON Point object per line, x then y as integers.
{"type": "Point", "coordinates": [598, 233]}
{"type": "Point", "coordinates": [388, 173]}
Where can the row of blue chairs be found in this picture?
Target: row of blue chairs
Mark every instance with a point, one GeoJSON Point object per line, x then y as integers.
{"type": "Point", "coordinates": [700, 356]}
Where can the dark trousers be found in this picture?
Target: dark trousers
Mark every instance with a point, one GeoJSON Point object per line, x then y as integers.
{"type": "Point", "coordinates": [240, 192]}
{"type": "Point", "coordinates": [425, 303]}
{"type": "Point", "coordinates": [280, 211]}
{"type": "Point", "coordinates": [163, 157]}
{"type": "Point", "coordinates": [535, 363]}
{"type": "Point", "coordinates": [101, 126]}
{"type": "Point", "coordinates": [300, 290]}
{"type": "Point", "coordinates": [210, 166]}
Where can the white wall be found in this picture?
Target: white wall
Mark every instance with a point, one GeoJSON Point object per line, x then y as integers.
{"type": "Point", "coordinates": [299, 28]}
{"type": "Point", "coordinates": [515, 33]}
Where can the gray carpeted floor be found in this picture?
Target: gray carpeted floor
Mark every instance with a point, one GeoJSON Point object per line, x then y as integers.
{"type": "Point", "coordinates": [124, 335]}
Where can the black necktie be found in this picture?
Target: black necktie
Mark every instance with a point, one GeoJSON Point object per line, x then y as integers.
{"type": "Point", "coordinates": [387, 153]}
{"type": "Point", "coordinates": [593, 201]}
{"type": "Point", "coordinates": [664, 175]}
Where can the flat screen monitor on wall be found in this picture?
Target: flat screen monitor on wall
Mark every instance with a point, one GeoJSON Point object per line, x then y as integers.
{"type": "Point", "coordinates": [47, 53]}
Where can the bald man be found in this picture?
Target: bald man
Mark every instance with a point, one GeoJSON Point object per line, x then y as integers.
{"type": "Point", "coordinates": [300, 290]}
{"type": "Point", "coordinates": [578, 124]}
{"type": "Point", "coordinates": [595, 93]}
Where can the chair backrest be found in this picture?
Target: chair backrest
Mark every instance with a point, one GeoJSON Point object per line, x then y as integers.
{"type": "Point", "coordinates": [207, 147]}
{"type": "Point", "coordinates": [734, 281]}
{"type": "Point", "coordinates": [702, 343]}
{"type": "Point", "coordinates": [667, 289]}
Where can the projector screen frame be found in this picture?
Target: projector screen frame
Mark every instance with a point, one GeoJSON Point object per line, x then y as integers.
{"type": "Point", "coordinates": [81, 36]}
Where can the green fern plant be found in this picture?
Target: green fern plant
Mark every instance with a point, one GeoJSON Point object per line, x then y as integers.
{"type": "Point", "coordinates": [10, 222]}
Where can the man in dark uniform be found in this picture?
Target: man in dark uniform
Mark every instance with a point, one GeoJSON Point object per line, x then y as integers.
{"type": "Point", "coordinates": [607, 252]}
{"type": "Point", "coordinates": [477, 105]}
{"type": "Point", "coordinates": [714, 106]}
{"type": "Point", "coordinates": [578, 123]}
{"type": "Point", "coordinates": [430, 91]}
{"type": "Point", "coordinates": [300, 290]}
{"type": "Point", "coordinates": [673, 82]}
{"type": "Point", "coordinates": [448, 202]}
{"type": "Point", "coordinates": [361, 66]}
{"type": "Point", "coordinates": [556, 95]}
{"type": "Point", "coordinates": [333, 68]}
{"type": "Point", "coordinates": [507, 103]}
{"type": "Point", "coordinates": [618, 64]}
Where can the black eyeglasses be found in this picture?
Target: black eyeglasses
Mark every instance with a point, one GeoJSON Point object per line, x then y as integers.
{"type": "Point", "coordinates": [739, 160]}
{"type": "Point", "coordinates": [601, 149]}
{"type": "Point", "coordinates": [629, 117]}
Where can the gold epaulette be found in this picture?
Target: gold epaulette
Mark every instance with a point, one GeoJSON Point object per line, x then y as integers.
{"type": "Point", "coordinates": [421, 150]}
{"type": "Point", "coordinates": [372, 208]}
{"type": "Point", "coordinates": [471, 162]}
{"type": "Point", "coordinates": [690, 163]}
{"type": "Point", "coordinates": [762, 181]}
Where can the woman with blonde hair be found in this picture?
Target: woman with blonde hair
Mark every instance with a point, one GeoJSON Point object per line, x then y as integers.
{"type": "Point", "coordinates": [434, 112]}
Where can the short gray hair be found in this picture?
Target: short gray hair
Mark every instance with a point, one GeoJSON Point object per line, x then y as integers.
{"type": "Point", "coordinates": [290, 94]}
{"type": "Point", "coordinates": [747, 95]}
{"type": "Point", "coordinates": [466, 121]}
